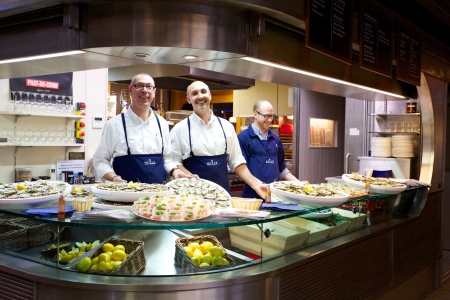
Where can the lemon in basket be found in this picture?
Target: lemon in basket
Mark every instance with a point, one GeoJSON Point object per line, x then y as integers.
{"type": "Point", "coordinates": [104, 266]}
{"type": "Point", "coordinates": [216, 251]}
{"type": "Point", "coordinates": [205, 246]}
{"type": "Point", "coordinates": [188, 251]}
{"type": "Point", "coordinates": [84, 264]}
{"type": "Point", "coordinates": [115, 264]}
{"type": "Point", "coordinates": [108, 247]}
{"type": "Point", "coordinates": [194, 246]}
{"type": "Point", "coordinates": [197, 253]}
{"type": "Point", "coordinates": [207, 258]}
{"type": "Point", "coordinates": [119, 247]}
{"type": "Point", "coordinates": [118, 255]}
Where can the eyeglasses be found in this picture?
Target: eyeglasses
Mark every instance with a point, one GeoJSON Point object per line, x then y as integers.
{"type": "Point", "coordinates": [266, 117]}
{"type": "Point", "coordinates": [141, 86]}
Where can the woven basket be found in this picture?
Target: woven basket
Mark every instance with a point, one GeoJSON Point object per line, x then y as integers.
{"type": "Point", "coordinates": [13, 237]}
{"type": "Point", "coordinates": [37, 233]}
{"type": "Point", "coordinates": [184, 262]}
{"type": "Point", "coordinates": [132, 265]}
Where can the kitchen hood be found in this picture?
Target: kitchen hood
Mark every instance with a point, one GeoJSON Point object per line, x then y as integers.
{"type": "Point", "coordinates": [178, 77]}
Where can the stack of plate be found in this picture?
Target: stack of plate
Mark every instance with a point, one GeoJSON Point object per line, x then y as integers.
{"type": "Point", "coordinates": [381, 146]}
{"type": "Point", "coordinates": [403, 146]}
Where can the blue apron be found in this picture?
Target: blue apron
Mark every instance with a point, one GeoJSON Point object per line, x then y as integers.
{"type": "Point", "coordinates": [146, 168]}
{"type": "Point", "coordinates": [213, 168]}
{"type": "Point", "coordinates": [263, 164]}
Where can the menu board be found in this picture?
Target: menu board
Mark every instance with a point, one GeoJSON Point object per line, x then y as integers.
{"type": "Point", "coordinates": [328, 28]}
{"type": "Point", "coordinates": [376, 42]}
{"type": "Point", "coordinates": [408, 57]}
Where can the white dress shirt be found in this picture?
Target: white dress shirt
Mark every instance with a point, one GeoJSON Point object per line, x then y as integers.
{"type": "Point", "coordinates": [143, 138]}
{"type": "Point", "coordinates": [206, 140]}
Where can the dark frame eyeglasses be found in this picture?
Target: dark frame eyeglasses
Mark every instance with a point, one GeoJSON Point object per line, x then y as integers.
{"type": "Point", "coordinates": [140, 86]}
{"type": "Point", "coordinates": [266, 117]}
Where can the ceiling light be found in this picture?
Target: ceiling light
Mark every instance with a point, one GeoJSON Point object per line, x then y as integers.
{"type": "Point", "coordinates": [36, 57]}
{"type": "Point", "coordinates": [267, 63]}
{"type": "Point", "coordinates": [141, 55]}
{"type": "Point", "coordinates": [190, 56]}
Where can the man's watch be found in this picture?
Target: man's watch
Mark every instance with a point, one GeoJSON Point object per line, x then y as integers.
{"type": "Point", "coordinates": [173, 170]}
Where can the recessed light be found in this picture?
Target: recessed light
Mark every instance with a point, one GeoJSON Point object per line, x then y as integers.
{"type": "Point", "coordinates": [190, 56]}
{"type": "Point", "coordinates": [141, 55]}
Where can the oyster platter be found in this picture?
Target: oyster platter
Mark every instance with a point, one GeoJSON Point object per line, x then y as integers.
{"type": "Point", "coordinates": [128, 191]}
{"type": "Point", "coordinates": [375, 185]}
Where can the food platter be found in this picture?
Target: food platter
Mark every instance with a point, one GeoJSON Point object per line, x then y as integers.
{"type": "Point", "coordinates": [377, 185]}
{"type": "Point", "coordinates": [128, 192]}
{"type": "Point", "coordinates": [173, 208]}
{"type": "Point", "coordinates": [203, 188]}
{"type": "Point", "coordinates": [105, 204]}
{"type": "Point", "coordinates": [24, 202]}
{"type": "Point", "coordinates": [326, 197]}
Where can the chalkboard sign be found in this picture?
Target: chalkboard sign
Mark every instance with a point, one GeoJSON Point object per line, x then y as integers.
{"type": "Point", "coordinates": [328, 28]}
{"type": "Point", "coordinates": [376, 42]}
{"type": "Point", "coordinates": [408, 56]}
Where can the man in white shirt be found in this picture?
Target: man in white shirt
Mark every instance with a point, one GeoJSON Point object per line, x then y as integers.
{"type": "Point", "coordinates": [136, 141]}
{"type": "Point", "coordinates": [205, 144]}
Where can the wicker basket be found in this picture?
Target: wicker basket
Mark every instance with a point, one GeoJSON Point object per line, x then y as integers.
{"type": "Point", "coordinates": [246, 203]}
{"type": "Point", "coordinates": [132, 265]}
{"type": "Point", "coordinates": [38, 233]}
{"type": "Point", "coordinates": [13, 237]}
{"type": "Point", "coordinates": [184, 262]}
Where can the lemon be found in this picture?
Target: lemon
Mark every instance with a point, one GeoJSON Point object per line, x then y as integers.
{"type": "Point", "coordinates": [132, 184]}
{"type": "Point", "coordinates": [84, 264]}
{"type": "Point", "coordinates": [95, 260]}
{"type": "Point", "coordinates": [202, 265]}
{"type": "Point", "coordinates": [115, 264]}
{"type": "Point", "coordinates": [188, 250]}
{"type": "Point", "coordinates": [217, 260]}
{"type": "Point", "coordinates": [21, 186]}
{"type": "Point", "coordinates": [216, 251]}
{"type": "Point", "coordinates": [197, 253]}
{"type": "Point", "coordinates": [93, 267]}
{"type": "Point", "coordinates": [108, 247]}
{"type": "Point", "coordinates": [194, 246]}
{"type": "Point", "coordinates": [225, 261]}
{"type": "Point", "coordinates": [77, 189]}
{"type": "Point", "coordinates": [119, 247]}
{"type": "Point", "coordinates": [103, 257]}
{"type": "Point", "coordinates": [119, 255]}
{"type": "Point", "coordinates": [109, 253]}
{"type": "Point", "coordinates": [207, 258]}
{"type": "Point", "coordinates": [205, 246]}
{"type": "Point", "coordinates": [103, 266]}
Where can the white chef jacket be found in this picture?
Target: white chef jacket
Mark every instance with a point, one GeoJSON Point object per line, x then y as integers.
{"type": "Point", "coordinates": [143, 138]}
{"type": "Point", "coordinates": [206, 140]}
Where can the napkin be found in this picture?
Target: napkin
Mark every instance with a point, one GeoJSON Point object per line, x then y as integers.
{"type": "Point", "coordinates": [47, 211]}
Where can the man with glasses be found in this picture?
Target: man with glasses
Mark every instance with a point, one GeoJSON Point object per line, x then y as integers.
{"type": "Point", "coordinates": [263, 149]}
{"type": "Point", "coordinates": [205, 144]}
{"type": "Point", "coordinates": [137, 140]}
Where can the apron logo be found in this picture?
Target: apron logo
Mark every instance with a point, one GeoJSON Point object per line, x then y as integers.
{"type": "Point", "coordinates": [150, 162]}
{"type": "Point", "coordinates": [270, 161]}
{"type": "Point", "coordinates": [212, 163]}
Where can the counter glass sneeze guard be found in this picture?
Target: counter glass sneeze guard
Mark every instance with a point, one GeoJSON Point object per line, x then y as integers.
{"type": "Point", "coordinates": [405, 205]}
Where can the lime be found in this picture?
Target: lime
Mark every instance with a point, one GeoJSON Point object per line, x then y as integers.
{"type": "Point", "coordinates": [216, 250]}
{"type": "Point", "coordinates": [217, 260]}
{"type": "Point", "coordinates": [202, 265]}
{"type": "Point", "coordinates": [207, 258]}
{"type": "Point", "coordinates": [84, 264]}
{"type": "Point", "coordinates": [195, 261]}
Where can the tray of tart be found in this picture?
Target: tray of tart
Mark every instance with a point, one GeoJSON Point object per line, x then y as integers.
{"type": "Point", "coordinates": [374, 184]}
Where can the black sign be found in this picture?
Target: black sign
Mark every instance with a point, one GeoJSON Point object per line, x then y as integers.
{"type": "Point", "coordinates": [408, 57]}
{"type": "Point", "coordinates": [376, 42]}
{"type": "Point", "coordinates": [328, 28]}
{"type": "Point", "coordinates": [55, 84]}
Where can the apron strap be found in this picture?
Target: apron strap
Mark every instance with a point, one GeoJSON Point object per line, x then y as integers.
{"type": "Point", "coordinates": [126, 138]}
{"type": "Point", "coordinates": [190, 143]}
{"type": "Point", "coordinates": [125, 130]}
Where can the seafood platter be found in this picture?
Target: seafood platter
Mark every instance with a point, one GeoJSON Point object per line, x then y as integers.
{"type": "Point", "coordinates": [310, 195]}
{"type": "Point", "coordinates": [375, 185]}
{"type": "Point", "coordinates": [203, 188]}
{"type": "Point", "coordinates": [128, 191]}
{"type": "Point", "coordinates": [27, 194]}
{"type": "Point", "coordinates": [173, 208]}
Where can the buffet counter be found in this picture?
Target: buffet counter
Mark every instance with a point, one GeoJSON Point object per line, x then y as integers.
{"type": "Point", "coordinates": [271, 258]}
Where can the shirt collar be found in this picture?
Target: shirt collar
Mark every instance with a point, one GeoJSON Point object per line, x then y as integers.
{"type": "Point", "coordinates": [259, 133]}
{"type": "Point", "coordinates": [137, 119]}
{"type": "Point", "coordinates": [198, 119]}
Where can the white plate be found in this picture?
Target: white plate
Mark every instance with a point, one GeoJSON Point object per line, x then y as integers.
{"type": "Point", "coordinates": [25, 203]}
{"type": "Point", "coordinates": [306, 200]}
{"type": "Point", "coordinates": [124, 196]}
{"type": "Point", "coordinates": [379, 189]}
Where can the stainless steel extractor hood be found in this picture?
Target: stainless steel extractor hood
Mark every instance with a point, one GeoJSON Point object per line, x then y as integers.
{"type": "Point", "coordinates": [178, 77]}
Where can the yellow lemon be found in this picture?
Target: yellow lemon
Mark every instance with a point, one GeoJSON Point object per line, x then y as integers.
{"type": "Point", "coordinates": [104, 266]}
{"type": "Point", "coordinates": [120, 247]}
{"type": "Point", "coordinates": [216, 250]}
{"type": "Point", "coordinates": [194, 246]}
{"type": "Point", "coordinates": [84, 264]}
{"type": "Point", "coordinates": [115, 264]}
{"type": "Point", "coordinates": [133, 184]}
{"type": "Point", "coordinates": [197, 253]}
{"type": "Point", "coordinates": [202, 265]}
{"type": "Point", "coordinates": [205, 246]}
{"type": "Point", "coordinates": [119, 255]}
{"type": "Point", "coordinates": [207, 258]}
{"type": "Point", "coordinates": [108, 247]}
{"type": "Point", "coordinates": [21, 186]}
{"type": "Point", "coordinates": [95, 260]}
{"type": "Point", "coordinates": [188, 250]}
{"type": "Point", "coordinates": [77, 189]}
{"type": "Point", "coordinates": [195, 261]}
{"type": "Point", "coordinates": [103, 257]}
{"type": "Point", "coordinates": [93, 267]}
{"type": "Point", "coordinates": [225, 261]}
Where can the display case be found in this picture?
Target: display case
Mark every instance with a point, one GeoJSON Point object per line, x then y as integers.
{"type": "Point", "coordinates": [247, 242]}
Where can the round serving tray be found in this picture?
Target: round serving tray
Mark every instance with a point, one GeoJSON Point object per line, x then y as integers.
{"type": "Point", "coordinates": [118, 196]}
{"type": "Point", "coordinates": [134, 210]}
{"type": "Point", "coordinates": [373, 188]}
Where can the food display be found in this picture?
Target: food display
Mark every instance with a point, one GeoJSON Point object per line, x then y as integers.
{"type": "Point", "coordinates": [29, 194]}
{"type": "Point", "coordinates": [82, 200]}
{"type": "Point", "coordinates": [351, 191]}
{"type": "Point", "coordinates": [375, 185]}
{"type": "Point", "coordinates": [309, 195]}
{"type": "Point", "coordinates": [65, 254]}
{"type": "Point", "coordinates": [173, 208]}
{"type": "Point", "coordinates": [128, 191]}
{"type": "Point", "coordinates": [203, 188]}
{"type": "Point", "coordinates": [246, 203]}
